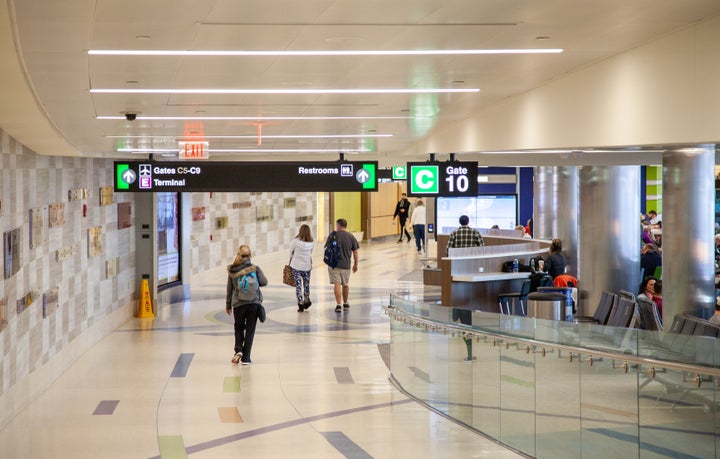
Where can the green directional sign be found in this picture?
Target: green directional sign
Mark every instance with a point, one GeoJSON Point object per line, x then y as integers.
{"type": "Point", "coordinates": [424, 179]}
{"type": "Point", "coordinates": [367, 176]}
{"type": "Point", "coordinates": [122, 179]}
{"type": "Point", "coordinates": [449, 178]}
{"type": "Point", "coordinates": [399, 172]}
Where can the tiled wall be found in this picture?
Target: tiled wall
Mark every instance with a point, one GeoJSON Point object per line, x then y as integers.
{"type": "Point", "coordinates": [46, 304]}
{"type": "Point", "coordinates": [37, 344]}
{"type": "Point", "coordinates": [267, 222]}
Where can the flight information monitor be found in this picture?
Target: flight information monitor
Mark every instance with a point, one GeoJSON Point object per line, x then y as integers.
{"type": "Point", "coordinates": [162, 176]}
{"type": "Point", "coordinates": [484, 212]}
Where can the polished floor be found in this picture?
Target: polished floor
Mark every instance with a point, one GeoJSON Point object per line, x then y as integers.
{"type": "Point", "coordinates": [318, 386]}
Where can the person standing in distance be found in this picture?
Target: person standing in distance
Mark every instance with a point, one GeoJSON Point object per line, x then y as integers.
{"type": "Point", "coordinates": [245, 312]}
{"type": "Point", "coordinates": [465, 236]}
{"type": "Point", "coordinates": [340, 275]}
{"type": "Point", "coordinates": [402, 210]}
{"type": "Point", "coordinates": [301, 264]}
{"type": "Point", "coordinates": [417, 221]}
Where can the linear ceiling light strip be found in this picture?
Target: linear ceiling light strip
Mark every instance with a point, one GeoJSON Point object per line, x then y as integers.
{"type": "Point", "coordinates": [262, 53]}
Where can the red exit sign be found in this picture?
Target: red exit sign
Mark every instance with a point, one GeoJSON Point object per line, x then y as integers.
{"type": "Point", "coordinates": [193, 150]}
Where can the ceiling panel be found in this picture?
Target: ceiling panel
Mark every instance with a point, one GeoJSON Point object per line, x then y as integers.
{"type": "Point", "coordinates": [54, 37]}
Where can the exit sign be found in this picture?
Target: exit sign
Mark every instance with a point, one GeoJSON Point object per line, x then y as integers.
{"type": "Point", "coordinates": [193, 150]}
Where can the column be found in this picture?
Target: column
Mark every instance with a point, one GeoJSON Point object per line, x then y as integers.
{"type": "Point", "coordinates": [688, 226]}
{"type": "Point", "coordinates": [609, 232]}
{"type": "Point", "coordinates": [556, 209]}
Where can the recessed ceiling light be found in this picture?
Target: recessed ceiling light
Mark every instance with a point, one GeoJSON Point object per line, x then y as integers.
{"type": "Point", "coordinates": [259, 53]}
{"type": "Point", "coordinates": [283, 91]}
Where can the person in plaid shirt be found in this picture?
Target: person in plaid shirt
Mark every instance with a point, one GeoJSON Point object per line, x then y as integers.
{"type": "Point", "coordinates": [465, 236]}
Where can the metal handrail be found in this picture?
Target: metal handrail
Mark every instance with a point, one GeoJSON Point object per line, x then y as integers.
{"type": "Point", "coordinates": [393, 311]}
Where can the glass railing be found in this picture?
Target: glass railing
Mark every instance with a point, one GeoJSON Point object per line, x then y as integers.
{"type": "Point", "coordinates": [558, 389]}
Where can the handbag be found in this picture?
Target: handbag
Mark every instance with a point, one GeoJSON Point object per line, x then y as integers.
{"type": "Point", "coordinates": [288, 278]}
{"type": "Point", "coordinates": [262, 315]}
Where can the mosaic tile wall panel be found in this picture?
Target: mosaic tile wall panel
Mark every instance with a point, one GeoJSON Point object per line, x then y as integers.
{"type": "Point", "coordinates": [58, 262]}
{"type": "Point", "coordinates": [241, 209]}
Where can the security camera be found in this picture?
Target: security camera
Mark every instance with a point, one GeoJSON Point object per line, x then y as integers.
{"type": "Point", "coordinates": [130, 116]}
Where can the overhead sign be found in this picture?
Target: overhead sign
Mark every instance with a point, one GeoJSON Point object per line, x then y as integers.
{"type": "Point", "coordinates": [140, 176]}
{"type": "Point", "coordinates": [193, 150]}
{"type": "Point", "coordinates": [399, 173]}
{"type": "Point", "coordinates": [442, 179]}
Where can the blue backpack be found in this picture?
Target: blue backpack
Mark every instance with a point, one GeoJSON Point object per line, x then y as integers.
{"type": "Point", "coordinates": [331, 256]}
{"type": "Point", "coordinates": [248, 287]}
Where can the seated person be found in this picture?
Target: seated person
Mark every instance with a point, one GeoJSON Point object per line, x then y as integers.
{"type": "Point", "coordinates": [555, 263]}
{"type": "Point", "coordinates": [657, 296]}
{"type": "Point", "coordinates": [646, 235]}
{"type": "Point", "coordinates": [647, 288]}
{"type": "Point", "coordinates": [655, 219]}
{"type": "Point", "coordinates": [650, 259]}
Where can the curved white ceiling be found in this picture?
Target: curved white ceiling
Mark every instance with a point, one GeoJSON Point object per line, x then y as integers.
{"type": "Point", "coordinates": [55, 37]}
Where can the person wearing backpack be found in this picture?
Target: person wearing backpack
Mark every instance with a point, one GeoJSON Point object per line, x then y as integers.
{"type": "Point", "coordinates": [340, 272]}
{"type": "Point", "coordinates": [244, 301]}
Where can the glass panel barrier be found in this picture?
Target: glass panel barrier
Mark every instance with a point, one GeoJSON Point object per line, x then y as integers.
{"type": "Point", "coordinates": [486, 377]}
{"type": "Point", "coordinates": [561, 390]}
{"type": "Point", "coordinates": [517, 393]}
{"type": "Point", "coordinates": [677, 408]}
{"type": "Point", "coordinates": [557, 387]}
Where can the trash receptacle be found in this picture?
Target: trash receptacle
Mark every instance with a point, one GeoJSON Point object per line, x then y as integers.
{"type": "Point", "coordinates": [546, 305]}
{"type": "Point", "coordinates": [568, 292]}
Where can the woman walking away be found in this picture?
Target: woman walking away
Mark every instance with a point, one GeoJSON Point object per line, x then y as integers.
{"type": "Point", "coordinates": [243, 300]}
{"type": "Point", "coordinates": [418, 220]}
{"type": "Point", "coordinates": [301, 264]}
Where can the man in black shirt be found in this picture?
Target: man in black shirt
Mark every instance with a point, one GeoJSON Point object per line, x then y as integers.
{"type": "Point", "coordinates": [402, 210]}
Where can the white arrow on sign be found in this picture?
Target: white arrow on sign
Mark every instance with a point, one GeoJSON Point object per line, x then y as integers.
{"type": "Point", "coordinates": [129, 176]}
{"type": "Point", "coordinates": [362, 176]}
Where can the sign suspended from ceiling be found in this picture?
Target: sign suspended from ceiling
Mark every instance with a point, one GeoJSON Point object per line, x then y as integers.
{"type": "Point", "coordinates": [186, 176]}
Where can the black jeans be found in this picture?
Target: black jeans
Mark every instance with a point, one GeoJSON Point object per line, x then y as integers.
{"type": "Point", "coordinates": [246, 317]}
{"type": "Point", "coordinates": [403, 228]}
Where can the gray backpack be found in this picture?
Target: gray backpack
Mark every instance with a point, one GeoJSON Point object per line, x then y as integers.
{"type": "Point", "coordinates": [248, 287]}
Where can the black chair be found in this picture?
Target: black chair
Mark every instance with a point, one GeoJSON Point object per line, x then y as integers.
{"type": "Point", "coordinates": [649, 315]}
{"type": "Point", "coordinates": [607, 301]}
{"type": "Point", "coordinates": [688, 327]}
{"type": "Point", "coordinates": [623, 314]}
{"type": "Point", "coordinates": [678, 323]}
{"type": "Point", "coordinates": [704, 328]}
{"type": "Point", "coordinates": [508, 299]}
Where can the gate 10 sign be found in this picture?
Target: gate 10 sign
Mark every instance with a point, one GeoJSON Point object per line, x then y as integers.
{"type": "Point", "coordinates": [442, 179]}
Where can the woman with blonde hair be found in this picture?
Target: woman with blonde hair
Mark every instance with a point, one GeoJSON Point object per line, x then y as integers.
{"type": "Point", "coordinates": [301, 264]}
{"type": "Point", "coordinates": [244, 303]}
